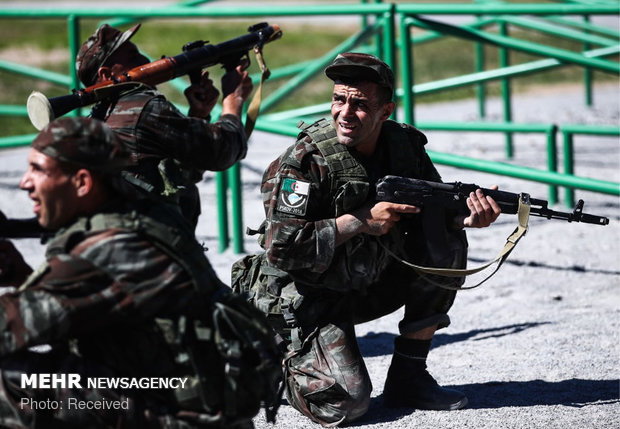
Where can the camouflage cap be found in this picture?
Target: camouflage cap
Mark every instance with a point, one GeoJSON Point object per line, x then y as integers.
{"type": "Point", "coordinates": [364, 67]}
{"type": "Point", "coordinates": [84, 142]}
{"type": "Point", "coordinates": [98, 48]}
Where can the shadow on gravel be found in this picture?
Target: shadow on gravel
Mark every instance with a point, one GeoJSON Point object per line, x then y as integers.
{"type": "Point", "coordinates": [571, 393]}
{"type": "Point", "coordinates": [576, 268]}
{"type": "Point", "coordinates": [382, 343]}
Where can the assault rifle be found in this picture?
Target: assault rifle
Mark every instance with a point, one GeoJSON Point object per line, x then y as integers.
{"type": "Point", "coordinates": [196, 56]}
{"type": "Point", "coordinates": [454, 196]}
{"type": "Point", "coordinates": [22, 228]}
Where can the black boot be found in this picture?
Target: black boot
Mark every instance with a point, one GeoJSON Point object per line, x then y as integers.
{"type": "Point", "coordinates": [409, 384]}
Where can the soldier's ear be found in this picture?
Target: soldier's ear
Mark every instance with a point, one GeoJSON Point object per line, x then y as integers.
{"type": "Point", "coordinates": [104, 73]}
{"type": "Point", "coordinates": [388, 109]}
{"type": "Point", "coordinates": [83, 182]}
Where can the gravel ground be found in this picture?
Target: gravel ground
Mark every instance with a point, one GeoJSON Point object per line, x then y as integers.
{"type": "Point", "coordinates": [535, 346]}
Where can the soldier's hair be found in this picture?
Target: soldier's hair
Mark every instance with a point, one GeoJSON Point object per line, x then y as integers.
{"type": "Point", "coordinates": [114, 183]}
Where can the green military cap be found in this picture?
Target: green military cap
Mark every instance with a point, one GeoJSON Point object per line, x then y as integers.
{"type": "Point", "coordinates": [361, 67]}
{"type": "Point", "coordinates": [84, 142]}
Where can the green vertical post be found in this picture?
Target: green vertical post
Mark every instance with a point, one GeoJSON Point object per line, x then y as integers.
{"type": "Point", "coordinates": [389, 45]}
{"type": "Point", "coordinates": [379, 37]}
{"type": "Point", "coordinates": [222, 210]}
{"type": "Point", "coordinates": [552, 161]}
{"type": "Point", "coordinates": [73, 31]}
{"type": "Point", "coordinates": [504, 59]}
{"type": "Point", "coordinates": [569, 199]}
{"type": "Point", "coordinates": [587, 71]}
{"type": "Point", "coordinates": [236, 197]}
{"type": "Point", "coordinates": [480, 87]}
{"type": "Point", "coordinates": [406, 70]}
{"type": "Point", "coordinates": [364, 16]}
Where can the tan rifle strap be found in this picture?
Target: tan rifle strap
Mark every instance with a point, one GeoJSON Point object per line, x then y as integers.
{"type": "Point", "coordinates": [254, 107]}
{"type": "Point", "coordinates": [523, 214]}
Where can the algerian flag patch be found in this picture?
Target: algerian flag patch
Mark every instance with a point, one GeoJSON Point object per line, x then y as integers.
{"type": "Point", "coordinates": [293, 197]}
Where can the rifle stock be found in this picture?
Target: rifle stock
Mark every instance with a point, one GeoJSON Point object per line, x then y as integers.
{"type": "Point", "coordinates": [199, 55]}
{"type": "Point", "coordinates": [454, 195]}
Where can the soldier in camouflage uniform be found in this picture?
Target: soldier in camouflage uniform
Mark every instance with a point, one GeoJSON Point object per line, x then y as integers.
{"type": "Point", "coordinates": [325, 267]}
{"type": "Point", "coordinates": [171, 150]}
{"type": "Point", "coordinates": [118, 274]}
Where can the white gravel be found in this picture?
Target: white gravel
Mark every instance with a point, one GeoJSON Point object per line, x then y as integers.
{"type": "Point", "coordinates": [535, 346]}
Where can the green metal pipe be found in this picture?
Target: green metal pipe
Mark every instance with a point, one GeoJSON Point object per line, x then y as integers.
{"type": "Point", "coordinates": [12, 110]}
{"type": "Point", "coordinates": [583, 25]}
{"type": "Point", "coordinates": [587, 73]}
{"type": "Point", "coordinates": [550, 177]}
{"type": "Point", "coordinates": [431, 35]}
{"type": "Point", "coordinates": [507, 8]}
{"type": "Point", "coordinates": [389, 46]}
{"type": "Point", "coordinates": [316, 109]}
{"type": "Point", "coordinates": [186, 3]}
{"type": "Point", "coordinates": [568, 133]}
{"type": "Point", "coordinates": [15, 141]}
{"type": "Point", "coordinates": [552, 161]}
{"type": "Point", "coordinates": [601, 130]}
{"type": "Point", "coordinates": [222, 211]}
{"type": "Point", "coordinates": [407, 71]}
{"type": "Point", "coordinates": [532, 48]}
{"type": "Point", "coordinates": [486, 126]}
{"type": "Point", "coordinates": [236, 196]}
{"type": "Point", "coordinates": [489, 75]}
{"type": "Point", "coordinates": [191, 12]}
{"type": "Point", "coordinates": [35, 72]}
{"type": "Point", "coordinates": [504, 61]}
{"type": "Point", "coordinates": [556, 30]}
{"type": "Point", "coordinates": [315, 68]}
{"type": "Point", "coordinates": [480, 87]}
{"type": "Point", "coordinates": [567, 148]}
{"type": "Point", "coordinates": [73, 31]}
{"type": "Point", "coordinates": [277, 127]}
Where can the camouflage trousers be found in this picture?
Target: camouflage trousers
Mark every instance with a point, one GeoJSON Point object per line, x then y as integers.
{"type": "Point", "coordinates": [49, 408]}
{"type": "Point", "coordinates": [326, 378]}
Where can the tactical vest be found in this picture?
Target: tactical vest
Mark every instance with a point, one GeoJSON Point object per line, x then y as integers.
{"type": "Point", "coordinates": [359, 262]}
{"type": "Point", "coordinates": [349, 184]}
{"type": "Point", "coordinates": [165, 178]}
{"type": "Point", "coordinates": [226, 351]}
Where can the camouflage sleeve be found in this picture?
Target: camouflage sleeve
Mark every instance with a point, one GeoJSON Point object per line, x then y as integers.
{"type": "Point", "coordinates": [114, 279]}
{"type": "Point", "coordinates": [195, 142]}
{"type": "Point", "coordinates": [300, 231]}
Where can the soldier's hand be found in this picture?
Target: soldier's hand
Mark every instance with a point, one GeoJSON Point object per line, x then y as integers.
{"type": "Point", "coordinates": [236, 88]}
{"type": "Point", "coordinates": [13, 269]}
{"type": "Point", "coordinates": [374, 219]}
{"type": "Point", "coordinates": [381, 217]}
{"type": "Point", "coordinates": [483, 210]}
{"type": "Point", "coordinates": [202, 97]}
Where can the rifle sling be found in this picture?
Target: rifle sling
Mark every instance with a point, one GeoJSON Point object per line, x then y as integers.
{"type": "Point", "coordinates": [523, 214]}
{"type": "Point", "coordinates": [254, 107]}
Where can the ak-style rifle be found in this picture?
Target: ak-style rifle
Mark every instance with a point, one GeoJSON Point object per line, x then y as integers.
{"type": "Point", "coordinates": [195, 57]}
{"type": "Point", "coordinates": [454, 195]}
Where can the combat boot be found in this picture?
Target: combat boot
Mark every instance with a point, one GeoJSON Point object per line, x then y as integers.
{"type": "Point", "coordinates": [409, 383]}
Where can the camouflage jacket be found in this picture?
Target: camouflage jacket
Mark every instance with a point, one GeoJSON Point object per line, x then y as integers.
{"type": "Point", "coordinates": [301, 240]}
{"type": "Point", "coordinates": [102, 286]}
{"type": "Point", "coordinates": [154, 130]}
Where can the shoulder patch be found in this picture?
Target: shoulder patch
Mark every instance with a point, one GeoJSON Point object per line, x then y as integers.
{"type": "Point", "coordinates": [293, 198]}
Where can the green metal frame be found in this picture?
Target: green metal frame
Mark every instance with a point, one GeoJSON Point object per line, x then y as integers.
{"type": "Point", "coordinates": [385, 31]}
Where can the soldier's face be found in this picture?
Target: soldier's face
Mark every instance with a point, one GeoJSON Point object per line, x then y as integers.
{"type": "Point", "coordinates": [358, 114]}
{"type": "Point", "coordinates": [51, 189]}
{"type": "Point", "coordinates": [125, 58]}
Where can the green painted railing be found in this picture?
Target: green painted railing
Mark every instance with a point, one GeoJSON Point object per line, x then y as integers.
{"type": "Point", "coordinates": [386, 31]}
